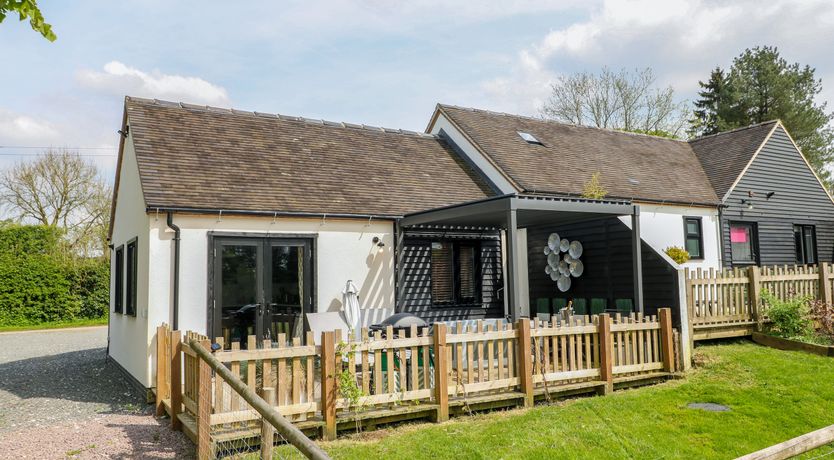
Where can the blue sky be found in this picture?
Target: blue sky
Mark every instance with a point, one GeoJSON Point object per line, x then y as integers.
{"type": "Point", "coordinates": [375, 62]}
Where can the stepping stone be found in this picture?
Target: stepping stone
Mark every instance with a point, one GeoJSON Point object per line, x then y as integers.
{"type": "Point", "coordinates": [710, 407]}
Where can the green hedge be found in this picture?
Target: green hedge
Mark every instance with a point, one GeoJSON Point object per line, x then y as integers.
{"type": "Point", "coordinates": [42, 281]}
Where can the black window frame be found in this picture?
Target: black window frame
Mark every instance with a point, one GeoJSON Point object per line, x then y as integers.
{"type": "Point", "coordinates": [700, 236]}
{"type": "Point", "coordinates": [131, 270]}
{"type": "Point", "coordinates": [754, 243]}
{"type": "Point", "coordinates": [800, 249]}
{"type": "Point", "coordinates": [456, 298]}
{"type": "Point", "coordinates": [119, 279]}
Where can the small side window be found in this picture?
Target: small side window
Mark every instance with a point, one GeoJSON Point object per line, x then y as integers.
{"type": "Point", "coordinates": [130, 278]}
{"type": "Point", "coordinates": [694, 237]}
{"type": "Point", "coordinates": [805, 241]}
{"type": "Point", "coordinates": [119, 280]}
{"type": "Point", "coordinates": [743, 243]}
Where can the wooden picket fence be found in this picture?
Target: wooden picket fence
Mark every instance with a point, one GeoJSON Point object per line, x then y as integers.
{"type": "Point", "coordinates": [419, 373]}
{"type": "Point", "coordinates": [728, 303]}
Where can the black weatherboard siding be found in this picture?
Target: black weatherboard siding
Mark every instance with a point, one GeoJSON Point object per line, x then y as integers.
{"type": "Point", "coordinates": [414, 292]}
{"type": "Point", "coordinates": [608, 265]}
{"type": "Point", "coordinates": [798, 199]}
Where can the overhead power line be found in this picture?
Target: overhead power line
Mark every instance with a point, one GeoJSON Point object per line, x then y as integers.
{"type": "Point", "coordinates": [69, 149]}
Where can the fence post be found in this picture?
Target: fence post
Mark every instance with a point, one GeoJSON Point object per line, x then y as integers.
{"type": "Point", "coordinates": [163, 368]}
{"type": "Point", "coordinates": [667, 339]}
{"type": "Point", "coordinates": [825, 282]}
{"type": "Point", "coordinates": [176, 379]}
{"type": "Point", "coordinates": [204, 445]}
{"type": "Point", "coordinates": [524, 362]}
{"type": "Point", "coordinates": [755, 292]}
{"type": "Point", "coordinates": [441, 374]}
{"type": "Point", "coordinates": [328, 384]}
{"type": "Point", "coordinates": [267, 430]}
{"type": "Point", "coordinates": [606, 353]}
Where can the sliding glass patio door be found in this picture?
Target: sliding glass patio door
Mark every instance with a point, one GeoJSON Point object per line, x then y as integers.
{"type": "Point", "coordinates": [261, 287]}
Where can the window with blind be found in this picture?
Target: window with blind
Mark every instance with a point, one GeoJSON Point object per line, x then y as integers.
{"type": "Point", "coordinates": [454, 273]}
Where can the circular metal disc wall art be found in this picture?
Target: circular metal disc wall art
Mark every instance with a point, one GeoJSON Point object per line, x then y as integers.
{"type": "Point", "coordinates": [553, 241]}
{"type": "Point", "coordinates": [563, 284]}
{"type": "Point", "coordinates": [575, 249]}
{"type": "Point", "coordinates": [561, 268]}
{"type": "Point", "coordinates": [577, 268]}
{"type": "Point", "coordinates": [553, 259]}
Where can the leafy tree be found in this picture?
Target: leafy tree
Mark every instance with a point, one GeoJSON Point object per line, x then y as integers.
{"type": "Point", "coordinates": [617, 100]}
{"type": "Point", "coordinates": [27, 9]}
{"type": "Point", "coordinates": [762, 86]}
{"type": "Point", "coordinates": [714, 95]}
{"type": "Point", "coordinates": [60, 189]}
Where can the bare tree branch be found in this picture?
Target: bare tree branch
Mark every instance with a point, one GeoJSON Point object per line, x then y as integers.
{"type": "Point", "coordinates": [59, 189]}
{"type": "Point", "coordinates": [624, 100]}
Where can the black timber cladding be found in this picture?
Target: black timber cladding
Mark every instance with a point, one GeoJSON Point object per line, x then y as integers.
{"type": "Point", "coordinates": [798, 198]}
{"type": "Point", "coordinates": [414, 292]}
{"type": "Point", "coordinates": [609, 273]}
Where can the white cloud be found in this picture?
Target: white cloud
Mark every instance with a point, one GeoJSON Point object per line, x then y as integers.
{"type": "Point", "coordinates": [681, 39]}
{"type": "Point", "coordinates": [16, 128]}
{"type": "Point", "coordinates": [118, 78]}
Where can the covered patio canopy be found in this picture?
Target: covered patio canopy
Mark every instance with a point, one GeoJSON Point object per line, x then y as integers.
{"type": "Point", "coordinates": [514, 211]}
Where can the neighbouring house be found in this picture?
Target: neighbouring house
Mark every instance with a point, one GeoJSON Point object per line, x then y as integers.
{"type": "Point", "coordinates": [231, 223]}
{"type": "Point", "coordinates": [774, 208]}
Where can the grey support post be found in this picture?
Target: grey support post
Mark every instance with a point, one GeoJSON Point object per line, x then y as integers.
{"type": "Point", "coordinates": [637, 257]}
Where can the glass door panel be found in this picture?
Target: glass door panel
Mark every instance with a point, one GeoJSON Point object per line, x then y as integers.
{"type": "Point", "coordinates": [287, 288]}
{"type": "Point", "coordinates": [239, 269]}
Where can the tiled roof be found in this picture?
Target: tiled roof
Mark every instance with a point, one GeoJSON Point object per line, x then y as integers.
{"type": "Point", "coordinates": [202, 157]}
{"type": "Point", "coordinates": [725, 155]}
{"type": "Point", "coordinates": [630, 165]}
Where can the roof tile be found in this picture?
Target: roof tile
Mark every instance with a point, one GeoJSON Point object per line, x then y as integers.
{"type": "Point", "coordinates": [199, 157]}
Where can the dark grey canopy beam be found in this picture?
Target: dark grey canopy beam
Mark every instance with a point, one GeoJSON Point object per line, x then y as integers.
{"type": "Point", "coordinates": [511, 212]}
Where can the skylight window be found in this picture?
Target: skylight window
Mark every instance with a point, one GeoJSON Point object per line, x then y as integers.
{"type": "Point", "coordinates": [529, 138]}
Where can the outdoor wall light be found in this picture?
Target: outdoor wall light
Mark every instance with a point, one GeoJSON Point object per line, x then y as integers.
{"type": "Point", "coordinates": [378, 242]}
{"type": "Point", "coordinates": [749, 203]}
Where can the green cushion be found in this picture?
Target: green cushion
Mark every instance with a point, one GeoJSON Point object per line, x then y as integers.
{"type": "Point", "coordinates": [542, 305]}
{"type": "Point", "coordinates": [598, 306]}
{"type": "Point", "coordinates": [624, 305]}
{"type": "Point", "coordinates": [559, 303]}
{"type": "Point", "coordinates": [580, 306]}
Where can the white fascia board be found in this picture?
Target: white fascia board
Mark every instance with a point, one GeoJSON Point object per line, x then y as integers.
{"type": "Point", "coordinates": [473, 155]}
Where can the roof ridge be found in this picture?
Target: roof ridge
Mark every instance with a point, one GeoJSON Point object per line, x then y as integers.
{"type": "Point", "coordinates": [555, 122]}
{"type": "Point", "coordinates": [734, 130]}
{"type": "Point", "coordinates": [317, 121]}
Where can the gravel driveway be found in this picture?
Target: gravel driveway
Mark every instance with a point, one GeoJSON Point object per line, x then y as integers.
{"type": "Point", "coordinates": [60, 398]}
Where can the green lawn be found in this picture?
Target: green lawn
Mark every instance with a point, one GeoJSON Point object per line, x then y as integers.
{"type": "Point", "coordinates": [56, 325]}
{"type": "Point", "coordinates": [774, 396]}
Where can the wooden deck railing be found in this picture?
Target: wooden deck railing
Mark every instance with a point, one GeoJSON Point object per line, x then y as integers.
{"type": "Point", "coordinates": [419, 373]}
{"type": "Point", "coordinates": [728, 303]}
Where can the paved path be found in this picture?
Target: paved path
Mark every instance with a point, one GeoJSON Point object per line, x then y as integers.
{"type": "Point", "coordinates": [60, 397]}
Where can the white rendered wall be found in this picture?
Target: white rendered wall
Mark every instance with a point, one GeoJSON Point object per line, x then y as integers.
{"type": "Point", "coordinates": [474, 155]}
{"type": "Point", "coordinates": [661, 226]}
{"type": "Point", "coordinates": [344, 250]}
{"type": "Point", "coordinates": [129, 336]}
